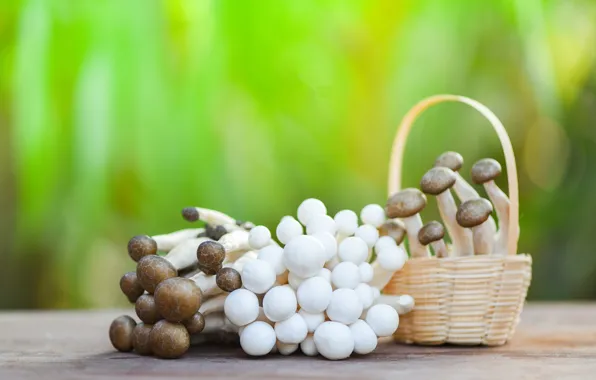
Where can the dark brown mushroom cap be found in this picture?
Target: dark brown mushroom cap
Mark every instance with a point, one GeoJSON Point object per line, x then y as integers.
{"type": "Point", "coordinates": [121, 333]}
{"type": "Point", "coordinates": [473, 212]}
{"type": "Point", "coordinates": [146, 309]}
{"type": "Point", "coordinates": [195, 324]}
{"type": "Point", "coordinates": [130, 286]}
{"type": "Point", "coordinates": [151, 270]}
{"type": "Point", "coordinates": [228, 279]}
{"type": "Point", "coordinates": [210, 255]}
{"type": "Point", "coordinates": [394, 229]}
{"type": "Point", "coordinates": [190, 214]}
{"type": "Point", "coordinates": [437, 180]}
{"type": "Point", "coordinates": [431, 231]}
{"type": "Point", "coordinates": [451, 160]}
{"type": "Point", "coordinates": [246, 225]}
{"type": "Point", "coordinates": [405, 203]}
{"type": "Point", "coordinates": [485, 170]}
{"type": "Point", "coordinates": [215, 232]}
{"type": "Point", "coordinates": [141, 246]}
{"type": "Point", "coordinates": [178, 299]}
{"type": "Point", "coordinates": [169, 340]}
{"type": "Point", "coordinates": [140, 339]}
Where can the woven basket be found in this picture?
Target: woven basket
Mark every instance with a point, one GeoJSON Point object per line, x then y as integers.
{"type": "Point", "coordinates": [473, 300]}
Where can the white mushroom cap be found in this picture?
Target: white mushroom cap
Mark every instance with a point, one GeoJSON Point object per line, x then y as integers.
{"type": "Point", "coordinates": [288, 229]}
{"type": "Point", "coordinates": [365, 339]}
{"type": "Point", "coordinates": [294, 280]}
{"type": "Point", "coordinates": [280, 303]}
{"type": "Point", "coordinates": [366, 295]}
{"type": "Point", "coordinates": [308, 346]}
{"type": "Point", "coordinates": [329, 242]}
{"type": "Point", "coordinates": [345, 275]}
{"type": "Point", "coordinates": [384, 241]}
{"type": "Point", "coordinates": [334, 340]}
{"type": "Point", "coordinates": [312, 320]}
{"type": "Point", "coordinates": [259, 237]}
{"type": "Point", "coordinates": [326, 274]}
{"type": "Point", "coordinates": [314, 294]}
{"type": "Point", "coordinates": [305, 256]}
{"type": "Point", "coordinates": [292, 330]}
{"type": "Point", "coordinates": [286, 348]}
{"type": "Point", "coordinates": [366, 272]}
{"type": "Point", "coordinates": [258, 276]}
{"type": "Point", "coordinates": [405, 304]}
{"type": "Point", "coordinates": [368, 233]}
{"type": "Point", "coordinates": [345, 306]}
{"type": "Point", "coordinates": [321, 223]}
{"type": "Point", "coordinates": [346, 222]}
{"type": "Point", "coordinates": [257, 339]}
{"type": "Point", "coordinates": [383, 319]}
{"type": "Point", "coordinates": [392, 258]}
{"type": "Point", "coordinates": [309, 208]}
{"type": "Point", "coordinates": [373, 214]}
{"type": "Point", "coordinates": [376, 292]}
{"type": "Point", "coordinates": [353, 249]}
{"type": "Point", "coordinates": [274, 255]}
{"type": "Point", "coordinates": [241, 307]}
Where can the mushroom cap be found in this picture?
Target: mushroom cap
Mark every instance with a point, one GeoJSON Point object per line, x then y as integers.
{"type": "Point", "coordinates": [405, 203]}
{"type": "Point", "coordinates": [140, 339]}
{"type": "Point", "coordinates": [383, 319]}
{"type": "Point", "coordinates": [353, 249]}
{"type": "Point", "coordinates": [451, 160]}
{"type": "Point", "coordinates": [121, 333]}
{"type": "Point", "coordinates": [365, 339]}
{"type": "Point", "coordinates": [140, 246]}
{"type": "Point", "coordinates": [146, 309]}
{"type": "Point", "coordinates": [151, 270]}
{"type": "Point", "coordinates": [195, 324]}
{"type": "Point", "coordinates": [345, 275]}
{"type": "Point", "coordinates": [437, 180]}
{"type": "Point", "coordinates": [485, 170]}
{"type": "Point", "coordinates": [228, 279]}
{"type": "Point", "coordinates": [169, 340]}
{"type": "Point", "coordinates": [130, 286]}
{"type": "Point", "coordinates": [280, 303]}
{"type": "Point", "coordinates": [215, 232]}
{"type": "Point", "coordinates": [190, 214]}
{"type": "Point", "coordinates": [345, 306]}
{"type": "Point", "coordinates": [210, 255]}
{"type": "Point", "coordinates": [431, 231]}
{"type": "Point", "coordinates": [473, 212]}
{"type": "Point", "coordinates": [394, 228]}
{"type": "Point", "coordinates": [247, 225]}
{"type": "Point", "coordinates": [314, 294]}
{"type": "Point", "coordinates": [178, 299]}
{"type": "Point", "coordinates": [291, 330]}
{"type": "Point", "coordinates": [257, 339]}
{"type": "Point", "coordinates": [287, 229]}
{"type": "Point", "coordinates": [334, 340]}
{"type": "Point", "coordinates": [241, 307]}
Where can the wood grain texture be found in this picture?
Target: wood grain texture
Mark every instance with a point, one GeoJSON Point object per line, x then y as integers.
{"type": "Point", "coordinates": [553, 341]}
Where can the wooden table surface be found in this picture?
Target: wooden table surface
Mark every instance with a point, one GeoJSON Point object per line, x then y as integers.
{"type": "Point", "coordinates": [554, 341]}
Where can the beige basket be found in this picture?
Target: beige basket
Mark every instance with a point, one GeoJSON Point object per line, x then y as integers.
{"type": "Point", "coordinates": [475, 300]}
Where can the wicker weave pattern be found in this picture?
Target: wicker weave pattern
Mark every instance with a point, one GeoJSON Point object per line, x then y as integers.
{"type": "Point", "coordinates": [472, 300]}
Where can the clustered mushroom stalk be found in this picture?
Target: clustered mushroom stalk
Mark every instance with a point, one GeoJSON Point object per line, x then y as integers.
{"type": "Point", "coordinates": [406, 205]}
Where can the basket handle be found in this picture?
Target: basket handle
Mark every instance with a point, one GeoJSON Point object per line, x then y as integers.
{"type": "Point", "coordinates": [399, 143]}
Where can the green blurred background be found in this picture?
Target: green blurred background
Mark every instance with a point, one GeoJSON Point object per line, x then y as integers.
{"type": "Point", "coordinates": [114, 115]}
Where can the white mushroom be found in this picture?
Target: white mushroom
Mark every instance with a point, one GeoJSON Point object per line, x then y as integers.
{"type": "Point", "coordinates": [217, 322]}
{"type": "Point", "coordinates": [312, 320]}
{"type": "Point", "coordinates": [286, 348]}
{"type": "Point", "coordinates": [184, 255]}
{"type": "Point", "coordinates": [304, 256]}
{"type": "Point", "coordinates": [329, 242]}
{"type": "Point", "coordinates": [274, 255]}
{"type": "Point", "coordinates": [314, 294]}
{"type": "Point", "coordinates": [235, 243]}
{"type": "Point", "coordinates": [321, 223]}
{"type": "Point", "coordinates": [368, 233]}
{"type": "Point", "coordinates": [346, 222]}
{"type": "Point", "coordinates": [288, 229]}
{"type": "Point", "coordinates": [345, 306]}
{"type": "Point", "coordinates": [334, 340]}
{"type": "Point", "coordinates": [353, 249]}
{"type": "Point", "coordinates": [258, 276]}
{"type": "Point", "coordinates": [291, 330]}
{"type": "Point", "coordinates": [402, 304]}
{"type": "Point", "coordinates": [308, 346]}
{"type": "Point", "coordinates": [326, 274]}
{"type": "Point", "coordinates": [257, 339]}
{"type": "Point", "coordinates": [383, 319]}
{"type": "Point", "coordinates": [280, 303]}
{"type": "Point", "coordinates": [366, 272]}
{"type": "Point", "coordinates": [390, 260]}
{"type": "Point", "coordinates": [192, 214]}
{"type": "Point", "coordinates": [345, 275]}
{"type": "Point", "coordinates": [294, 280]}
{"type": "Point", "coordinates": [259, 237]}
{"type": "Point", "coordinates": [384, 241]}
{"type": "Point", "coordinates": [366, 295]}
{"type": "Point", "coordinates": [309, 208]}
{"type": "Point", "coordinates": [241, 307]}
{"type": "Point", "coordinates": [373, 214]}
{"type": "Point", "coordinates": [406, 204]}
{"type": "Point", "coordinates": [166, 242]}
{"type": "Point", "coordinates": [365, 339]}
{"type": "Point", "coordinates": [213, 305]}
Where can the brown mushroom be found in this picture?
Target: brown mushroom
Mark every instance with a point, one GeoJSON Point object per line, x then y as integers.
{"type": "Point", "coordinates": [141, 246]}
{"type": "Point", "coordinates": [215, 232]}
{"type": "Point", "coordinates": [192, 214]}
{"type": "Point", "coordinates": [437, 181]}
{"type": "Point", "coordinates": [121, 333]}
{"type": "Point", "coordinates": [432, 233]}
{"type": "Point", "coordinates": [474, 213]}
{"type": "Point", "coordinates": [140, 339]}
{"type": "Point", "coordinates": [169, 340]}
{"type": "Point", "coordinates": [228, 279]}
{"type": "Point", "coordinates": [130, 286]}
{"type": "Point", "coordinates": [395, 229]}
{"type": "Point", "coordinates": [406, 204]}
{"type": "Point", "coordinates": [146, 309]}
{"type": "Point", "coordinates": [167, 242]}
{"type": "Point", "coordinates": [210, 256]}
{"type": "Point", "coordinates": [151, 270]}
{"type": "Point", "coordinates": [177, 299]}
{"type": "Point", "coordinates": [195, 324]}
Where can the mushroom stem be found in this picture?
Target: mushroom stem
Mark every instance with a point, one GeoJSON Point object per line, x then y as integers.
{"type": "Point", "coordinates": [192, 214]}
{"type": "Point", "coordinates": [208, 283]}
{"type": "Point", "coordinates": [235, 244]}
{"type": "Point", "coordinates": [402, 304]}
{"type": "Point", "coordinates": [184, 255]}
{"type": "Point", "coordinates": [212, 305]}
{"type": "Point", "coordinates": [440, 248]}
{"type": "Point", "coordinates": [462, 240]}
{"type": "Point", "coordinates": [381, 276]}
{"type": "Point", "coordinates": [216, 322]}
{"type": "Point", "coordinates": [167, 242]}
{"type": "Point", "coordinates": [413, 225]}
{"type": "Point", "coordinates": [501, 204]}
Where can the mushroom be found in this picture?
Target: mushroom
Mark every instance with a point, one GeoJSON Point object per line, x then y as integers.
{"type": "Point", "coordinates": [402, 304]}
{"type": "Point", "coordinates": [167, 242]}
{"type": "Point", "coordinates": [389, 260]}
{"type": "Point", "coordinates": [365, 339]}
{"type": "Point", "coordinates": [308, 346]}
{"type": "Point", "coordinates": [353, 249]}
{"type": "Point", "coordinates": [314, 294]}
{"type": "Point", "coordinates": [217, 232]}
{"type": "Point", "coordinates": [373, 214]}
{"type": "Point", "coordinates": [121, 331]}
{"type": "Point", "coordinates": [346, 222]}
{"type": "Point", "coordinates": [169, 340]}
{"type": "Point", "coordinates": [257, 339]}
{"type": "Point", "coordinates": [484, 172]}
{"type": "Point", "coordinates": [345, 306]}
{"type": "Point", "coordinates": [368, 233]}
{"type": "Point", "coordinates": [259, 237]}
{"type": "Point", "coordinates": [140, 246]}
{"type": "Point", "coordinates": [146, 309]}
{"type": "Point", "coordinates": [321, 223]}
{"type": "Point", "coordinates": [345, 275]}
{"type": "Point", "coordinates": [393, 228]}
{"type": "Point", "coordinates": [217, 323]}
{"type": "Point", "coordinates": [366, 272]}
{"type": "Point", "coordinates": [382, 319]}
{"type": "Point", "coordinates": [432, 233]}
{"type": "Point", "coordinates": [210, 256]}
{"type": "Point", "coordinates": [329, 242]}
{"type": "Point", "coordinates": [437, 181]}
{"type": "Point", "coordinates": [130, 286]}
{"type": "Point", "coordinates": [294, 281]}
{"type": "Point", "coordinates": [177, 299]}
{"type": "Point", "coordinates": [228, 279]}
{"type": "Point", "coordinates": [304, 256]}
{"type": "Point", "coordinates": [366, 295]}
{"type": "Point", "coordinates": [291, 330]}
{"type": "Point", "coordinates": [472, 214]}
{"type": "Point", "coordinates": [334, 340]}
{"type": "Point", "coordinates": [140, 339]}
{"type": "Point", "coordinates": [258, 276]}
{"type": "Point", "coordinates": [309, 208]}
{"type": "Point", "coordinates": [235, 243]}
{"type": "Point", "coordinates": [312, 320]}
{"type": "Point", "coordinates": [241, 307]}
{"type": "Point", "coordinates": [195, 324]}
{"type": "Point", "coordinates": [213, 305]}
{"type": "Point", "coordinates": [287, 229]}
{"type": "Point", "coordinates": [192, 214]}
{"type": "Point", "coordinates": [286, 348]}
{"type": "Point", "coordinates": [280, 303]}
{"type": "Point", "coordinates": [406, 204]}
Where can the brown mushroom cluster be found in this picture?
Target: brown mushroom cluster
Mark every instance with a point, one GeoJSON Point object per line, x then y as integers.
{"type": "Point", "coordinates": [180, 284]}
{"type": "Point", "coordinates": [467, 217]}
